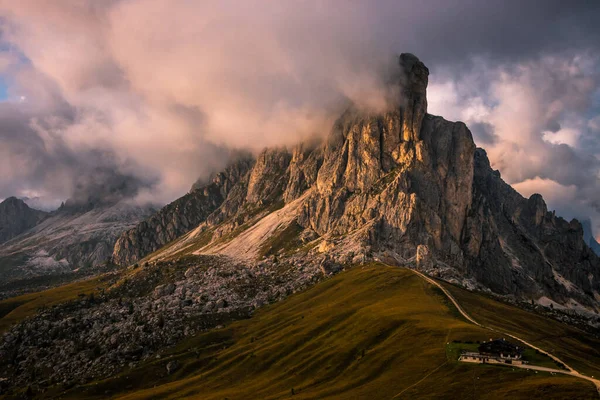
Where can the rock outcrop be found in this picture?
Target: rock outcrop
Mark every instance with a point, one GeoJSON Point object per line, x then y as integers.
{"type": "Point", "coordinates": [381, 185]}
{"type": "Point", "coordinates": [16, 217]}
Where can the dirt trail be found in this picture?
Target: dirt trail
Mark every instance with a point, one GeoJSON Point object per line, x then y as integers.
{"type": "Point", "coordinates": [570, 371]}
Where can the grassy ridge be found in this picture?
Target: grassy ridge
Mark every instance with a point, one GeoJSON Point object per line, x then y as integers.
{"type": "Point", "coordinates": [573, 346]}
{"type": "Point", "coordinates": [371, 332]}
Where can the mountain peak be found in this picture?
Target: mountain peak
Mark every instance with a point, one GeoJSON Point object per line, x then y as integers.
{"type": "Point", "coordinates": [414, 79]}
{"type": "Point", "coordinates": [13, 201]}
{"type": "Point", "coordinates": [17, 217]}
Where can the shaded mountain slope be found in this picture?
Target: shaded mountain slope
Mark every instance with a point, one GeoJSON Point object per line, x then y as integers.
{"type": "Point", "coordinates": [515, 245]}
{"type": "Point", "coordinates": [180, 216]}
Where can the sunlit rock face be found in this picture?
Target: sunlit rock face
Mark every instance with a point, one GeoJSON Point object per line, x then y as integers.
{"type": "Point", "coordinates": [404, 175]}
{"type": "Point", "coordinates": [382, 184]}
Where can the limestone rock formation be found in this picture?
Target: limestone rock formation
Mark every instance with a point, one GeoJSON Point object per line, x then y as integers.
{"type": "Point", "coordinates": [414, 81]}
{"type": "Point", "coordinates": [16, 217]}
{"type": "Point", "coordinates": [514, 245]}
{"type": "Point", "coordinates": [381, 185]}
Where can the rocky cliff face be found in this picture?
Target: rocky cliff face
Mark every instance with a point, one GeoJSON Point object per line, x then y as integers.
{"type": "Point", "coordinates": [381, 186]}
{"type": "Point", "coordinates": [514, 245]}
{"type": "Point", "coordinates": [16, 217]}
{"type": "Point", "coordinates": [180, 216]}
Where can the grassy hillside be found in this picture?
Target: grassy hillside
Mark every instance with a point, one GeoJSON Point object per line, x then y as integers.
{"type": "Point", "coordinates": [368, 333]}
{"type": "Point", "coordinates": [15, 309]}
{"type": "Point", "coordinates": [573, 346]}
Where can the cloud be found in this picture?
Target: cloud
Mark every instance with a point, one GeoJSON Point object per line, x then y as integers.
{"type": "Point", "coordinates": [45, 167]}
{"type": "Point", "coordinates": [165, 90]}
{"type": "Point", "coordinates": [172, 86]}
{"type": "Point", "coordinates": [556, 194]}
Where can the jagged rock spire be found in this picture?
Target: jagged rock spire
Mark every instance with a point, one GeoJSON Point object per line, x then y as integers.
{"type": "Point", "coordinates": [414, 84]}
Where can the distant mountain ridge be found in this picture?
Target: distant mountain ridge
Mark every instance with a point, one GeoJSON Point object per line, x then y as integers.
{"type": "Point", "coordinates": [402, 186]}
{"type": "Point", "coordinates": [17, 217]}
{"type": "Point", "coordinates": [65, 240]}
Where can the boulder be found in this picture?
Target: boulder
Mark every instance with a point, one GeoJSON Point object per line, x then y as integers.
{"type": "Point", "coordinates": [172, 366]}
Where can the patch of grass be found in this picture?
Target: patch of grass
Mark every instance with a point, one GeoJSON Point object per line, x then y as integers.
{"type": "Point", "coordinates": [6, 306]}
{"type": "Point", "coordinates": [573, 346]}
{"type": "Point", "coordinates": [384, 181]}
{"type": "Point", "coordinates": [163, 249]}
{"type": "Point", "coordinates": [446, 301]}
{"type": "Point", "coordinates": [286, 240]}
{"type": "Point", "coordinates": [10, 262]}
{"type": "Point", "coordinates": [534, 357]}
{"type": "Point", "coordinates": [455, 348]}
{"type": "Point", "coordinates": [373, 332]}
{"type": "Point", "coordinates": [306, 248]}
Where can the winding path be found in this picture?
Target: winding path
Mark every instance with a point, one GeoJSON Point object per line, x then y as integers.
{"type": "Point", "coordinates": [570, 371]}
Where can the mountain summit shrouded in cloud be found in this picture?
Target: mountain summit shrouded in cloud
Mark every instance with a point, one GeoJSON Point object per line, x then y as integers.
{"type": "Point", "coordinates": [162, 91]}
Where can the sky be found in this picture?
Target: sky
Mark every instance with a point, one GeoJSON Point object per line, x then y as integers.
{"type": "Point", "coordinates": [147, 96]}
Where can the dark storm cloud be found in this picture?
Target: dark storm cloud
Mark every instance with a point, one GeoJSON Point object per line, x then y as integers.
{"type": "Point", "coordinates": [105, 185]}
{"type": "Point", "coordinates": [505, 30]}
